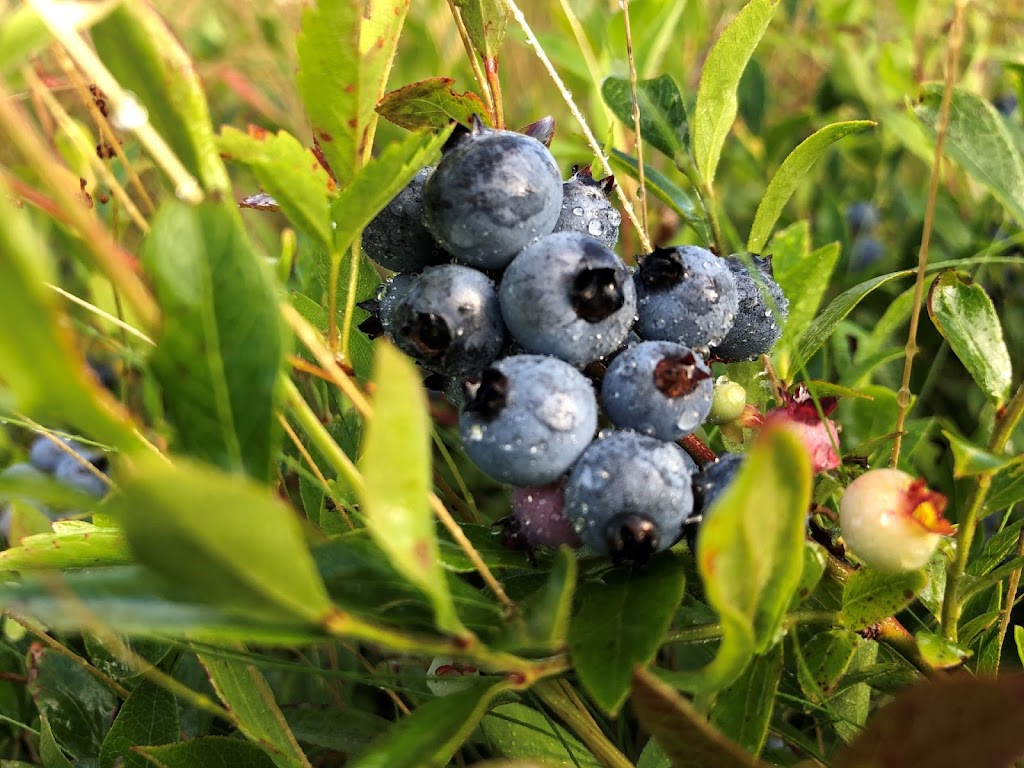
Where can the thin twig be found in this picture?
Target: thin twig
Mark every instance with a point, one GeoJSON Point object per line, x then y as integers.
{"type": "Point", "coordinates": [956, 40]}
{"type": "Point", "coordinates": [313, 467]}
{"type": "Point", "coordinates": [638, 137]}
{"type": "Point", "coordinates": [474, 62]}
{"type": "Point", "coordinates": [1011, 594]}
{"type": "Point", "coordinates": [100, 313]}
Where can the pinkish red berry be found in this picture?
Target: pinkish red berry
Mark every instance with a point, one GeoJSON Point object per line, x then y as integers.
{"type": "Point", "coordinates": [540, 512]}
{"type": "Point", "coordinates": [819, 436]}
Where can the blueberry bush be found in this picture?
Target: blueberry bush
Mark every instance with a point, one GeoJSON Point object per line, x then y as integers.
{"type": "Point", "coordinates": [393, 384]}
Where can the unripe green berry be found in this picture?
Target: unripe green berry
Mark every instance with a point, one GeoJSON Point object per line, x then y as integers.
{"type": "Point", "coordinates": [728, 401]}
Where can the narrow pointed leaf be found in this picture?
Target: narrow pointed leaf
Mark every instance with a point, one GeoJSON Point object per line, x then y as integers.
{"type": "Point", "coordinates": [148, 716]}
{"type": "Point", "coordinates": [379, 181]}
{"type": "Point", "coordinates": [515, 730]}
{"type": "Point", "coordinates": [345, 51]}
{"type": "Point", "coordinates": [140, 49]}
{"type": "Point", "coordinates": [208, 751]}
{"type": "Point", "coordinates": [789, 175]}
{"type": "Point", "coordinates": [220, 539]}
{"type": "Point", "coordinates": [396, 470]}
{"type": "Point", "coordinates": [945, 723]}
{"type": "Point", "coordinates": [620, 624]}
{"type": "Point", "coordinates": [431, 104]}
{"type": "Point", "coordinates": [683, 733]}
{"type": "Point", "coordinates": [717, 102]}
{"type": "Point", "coordinates": [429, 736]}
{"type": "Point", "coordinates": [245, 691]}
{"type": "Point", "coordinates": [969, 459]}
{"type": "Point", "coordinates": [290, 173]}
{"type": "Point", "coordinates": [222, 347]}
{"type": "Point", "coordinates": [486, 22]}
{"type": "Point", "coordinates": [978, 140]}
{"type": "Point", "coordinates": [871, 596]}
{"type": "Point", "coordinates": [77, 546]}
{"type": "Point", "coordinates": [49, 751]}
{"type": "Point", "coordinates": [743, 711]}
{"type": "Point", "coordinates": [662, 112]}
{"type": "Point", "coordinates": [965, 316]}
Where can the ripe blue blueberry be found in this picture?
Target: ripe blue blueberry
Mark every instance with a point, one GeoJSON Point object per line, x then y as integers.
{"type": "Point", "coordinates": [1006, 104]}
{"type": "Point", "coordinates": [658, 388]}
{"type": "Point", "coordinates": [568, 296]}
{"type": "Point", "coordinates": [862, 217]}
{"type": "Point", "coordinates": [586, 208]}
{"type": "Point", "coordinates": [686, 295]}
{"type": "Point", "coordinates": [76, 475]}
{"type": "Point", "coordinates": [527, 418]}
{"type": "Point", "coordinates": [865, 252]}
{"type": "Point", "coordinates": [492, 195]}
{"type": "Point", "coordinates": [396, 238]}
{"type": "Point", "coordinates": [761, 301]}
{"type": "Point", "coordinates": [708, 484]}
{"type": "Point", "coordinates": [448, 318]}
{"type": "Point", "coordinates": [45, 452]}
{"type": "Point", "coordinates": [629, 494]}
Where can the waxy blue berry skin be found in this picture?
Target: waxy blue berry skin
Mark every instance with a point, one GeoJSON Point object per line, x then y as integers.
{"type": "Point", "coordinates": [492, 195]}
{"type": "Point", "coordinates": [761, 304]}
{"type": "Point", "coordinates": [527, 418]}
{"type": "Point", "coordinates": [586, 209]}
{"type": "Point", "coordinates": [629, 494]}
{"type": "Point", "coordinates": [396, 238]}
{"type": "Point", "coordinates": [658, 388]}
{"type": "Point", "coordinates": [686, 295]}
{"type": "Point", "coordinates": [448, 318]}
{"type": "Point", "coordinates": [862, 217]}
{"type": "Point", "coordinates": [569, 296]}
{"type": "Point", "coordinates": [76, 475]}
{"type": "Point", "coordinates": [708, 484]}
{"type": "Point", "coordinates": [46, 452]}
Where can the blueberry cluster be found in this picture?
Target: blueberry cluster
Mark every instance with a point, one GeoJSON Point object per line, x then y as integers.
{"type": "Point", "coordinates": [49, 456]}
{"type": "Point", "coordinates": [576, 376]}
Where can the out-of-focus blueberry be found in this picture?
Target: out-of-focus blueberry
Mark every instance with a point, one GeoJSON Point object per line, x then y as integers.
{"type": "Point", "coordinates": [862, 217]}
{"type": "Point", "coordinates": [46, 451]}
{"type": "Point", "coordinates": [76, 475]}
{"type": "Point", "coordinates": [865, 252]}
{"type": "Point", "coordinates": [1005, 104]}
{"type": "Point", "coordinates": [708, 484]}
{"type": "Point", "coordinates": [527, 419]}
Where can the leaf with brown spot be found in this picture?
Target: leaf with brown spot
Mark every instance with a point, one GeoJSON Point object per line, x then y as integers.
{"type": "Point", "coordinates": [951, 723]}
{"type": "Point", "coordinates": [430, 104]}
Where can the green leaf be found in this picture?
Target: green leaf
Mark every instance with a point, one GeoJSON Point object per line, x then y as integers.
{"type": "Point", "coordinates": [620, 623]}
{"type": "Point", "coordinates": [815, 560]}
{"type": "Point", "coordinates": [430, 104]}
{"type": "Point", "coordinates": [717, 103]}
{"type": "Point", "coordinates": [345, 52]}
{"type": "Point", "coordinates": [941, 653]}
{"type": "Point", "coordinates": [222, 347]}
{"type": "Point", "coordinates": [486, 22]}
{"type": "Point", "coordinates": [79, 707]}
{"type": "Point", "coordinates": [850, 707]}
{"type": "Point", "coordinates": [345, 730]}
{"type": "Point", "coordinates": [80, 545]}
{"type": "Point", "coordinates": [789, 175]}
{"type": "Point", "coordinates": [871, 596]}
{"type": "Point", "coordinates": [826, 658]}
{"type": "Point", "coordinates": [685, 736]}
{"type": "Point", "coordinates": [142, 52]}
{"type": "Point", "coordinates": [970, 460]}
{"type": "Point", "coordinates": [49, 751]}
{"type": "Point", "coordinates": [965, 316]}
{"type": "Point", "coordinates": [220, 539]}
{"type": "Point", "coordinates": [946, 722]}
{"type": "Point", "coordinates": [1007, 489]}
{"type": "Point", "coordinates": [743, 711]}
{"type": "Point", "coordinates": [977, 139]}
{"type": "Point", "coordinates": [396, 470]}
{"type": "Point", "coordinates": [662, 112]}
{"type": "Point", "coordinates": [148, 716]}
{"type": "Point", "coordinates": [430, 736]}
{"type": "Point", "coordinates": [665, 190]}
{"type": "Point", "coordinates": [44, 374]}
{"type": "Point", "coordinates": [290, 173]}
{"type": "Point", "coordinates": [246, 693]}
{"type": "Point", "coordinates": [1018, 640]}
{"type": "Point", "coordinates": [515, 730]}
{"type": "Point", "coordinates": [208, 751]}
{"type": "Point", "coordinates": [379, 181]}
{"type": "Point", "coordinates": [360, 348]}
{"type": "Point", "coordinates": [995, 550]}
{"type": "Point", "coordinates": [544, 624]}
{"type": "Point", "coordinates": [750, 555]}
{"type": "Point", "coordinates": [131, 603]}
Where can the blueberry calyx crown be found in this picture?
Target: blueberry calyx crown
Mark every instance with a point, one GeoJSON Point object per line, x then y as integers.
{"type": "Point", "coordinates": [662, 269]}
{"type": "Point", "coordinates": [585, 176]}
{"type": "Point", "coordinates": [542, 130]}
{"type": "Point", "coordinates": [428, 333]}
{"type": "Point", "coordinates": [596, 294]}
{"type": "Point", "coordinates": [487, 394]}
{"type": "Point", "coordinates": [679, 375]}
{"type": "Point", "coordinates": [632, 538]}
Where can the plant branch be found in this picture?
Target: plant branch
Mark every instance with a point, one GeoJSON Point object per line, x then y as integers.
{"type": "Point", "coordinates": [1011, 593]}
{"type": "Point", "coordinates": [582, 724]}
{"type": "Point", "coordinates": [638, 141]}
{"type": "Point", "coordinates": [474, 62]}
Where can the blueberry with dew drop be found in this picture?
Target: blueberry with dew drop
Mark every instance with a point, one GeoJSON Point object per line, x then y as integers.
{"type": "Point", "coordinates": [396, 238]}
{"type": "Point", "coordinates": [586, 208]}
{"type": "Point", "coordinates": [762, 309]}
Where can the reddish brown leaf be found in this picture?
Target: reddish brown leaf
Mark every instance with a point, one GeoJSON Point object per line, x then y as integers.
{"type": "Point", "coordinates": [430, 104]}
